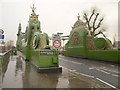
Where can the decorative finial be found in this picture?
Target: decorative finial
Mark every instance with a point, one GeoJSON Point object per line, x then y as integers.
{"type": "Point", "coordinates": [78, 16]}
{"type": "Point", "coordinates": [19, 26]}
{"type": "Point", "coordinates": [33, 8]}
{"type": "Point", "coordinates": [19, 23]}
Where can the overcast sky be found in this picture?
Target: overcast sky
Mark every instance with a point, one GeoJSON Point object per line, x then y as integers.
{"type": "Point", "coordinates": [55, 15]}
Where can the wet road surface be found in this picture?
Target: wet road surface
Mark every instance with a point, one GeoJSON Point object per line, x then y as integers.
{"type": "Point", "coordinates": [21, 74]}
{"type": "Point", "coordinates": [107, 73]}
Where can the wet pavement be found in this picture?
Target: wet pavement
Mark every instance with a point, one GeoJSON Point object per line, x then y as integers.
{"type": "Point", "coordinates": [21, 74]}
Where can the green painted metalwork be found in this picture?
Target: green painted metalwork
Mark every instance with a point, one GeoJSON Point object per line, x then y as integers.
{"type": "Point", "coordinates": [82, 44]}
{"type": "Point", "coordinates": [35, 45]}
{"type": "Point", "coordinates": [4, 60]}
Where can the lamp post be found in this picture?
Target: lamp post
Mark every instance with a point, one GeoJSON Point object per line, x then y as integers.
{"type": "Point", "coordinates": [63, 43]}
{"type": "Point", "coordinates": [64, 38]}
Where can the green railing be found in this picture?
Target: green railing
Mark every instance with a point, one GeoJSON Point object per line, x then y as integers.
{"type": "Point", "coordinates": [105, 55]}
{"type": "Point", "coordinates": [4, 59]}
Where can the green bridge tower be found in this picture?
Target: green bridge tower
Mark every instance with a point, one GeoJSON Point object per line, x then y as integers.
{"type": "Point", "coordinates": [82, 44]}
{"type": "Point", "coordinates": [34, 44]}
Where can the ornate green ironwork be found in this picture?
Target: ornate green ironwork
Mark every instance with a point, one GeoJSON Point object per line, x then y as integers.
{"type": "Point", "coordinates": [33, 42]}
{"type": "Point", "coordinates": [82, 44]}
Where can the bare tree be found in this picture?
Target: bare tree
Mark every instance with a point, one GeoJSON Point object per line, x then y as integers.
{"type": "Point", "coordinates": [93, 23]}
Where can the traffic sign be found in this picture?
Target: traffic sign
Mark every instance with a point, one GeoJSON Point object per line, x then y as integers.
{"type": "Point", "coordinates": [56, 40]}
{"type": "Point", "coordinates": [1, 36]}
{"type": "Point", "coordinates": [1, 31]}
{"type": "Point", "coordinates": [57, 44]}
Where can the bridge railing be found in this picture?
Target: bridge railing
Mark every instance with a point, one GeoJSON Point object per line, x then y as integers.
{"type": "Point", "coordinates": [4, 59]}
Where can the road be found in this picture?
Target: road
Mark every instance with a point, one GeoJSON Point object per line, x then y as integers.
{"type": "Point", "coordinates": [104, 72]}
{"type": "Point", "coordinates": [77, 73]}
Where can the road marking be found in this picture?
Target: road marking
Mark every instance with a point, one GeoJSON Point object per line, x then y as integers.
{"type": "Point", "coordinates": [105, 83]}
{"type": "Point", "coordinates": [102, 71]}
{"type": "Point", "coordinates": [104, 68]}
{"type": "Point", "coordinates": [72, 61]}
{"type": "Point", "coordinates": [74, 71]}
{"type": "Point", "coordinates": [90, 77]}
{"type": "Point", "coordinates": [85, 74]}
{"type": "Point", "coordinates": [115, 75]}
{"type": "Point", "coordinates": [99, 68]}
{"type": "Point", "coordinates": [71, 70]}
{"type": "Point", "coordinates": [93, 67]}
{"type": "Point", "coordinates": [109, 70]}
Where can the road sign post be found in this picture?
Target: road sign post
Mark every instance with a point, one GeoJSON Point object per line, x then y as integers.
{"type": "Point", "coordinates": [56, 41]}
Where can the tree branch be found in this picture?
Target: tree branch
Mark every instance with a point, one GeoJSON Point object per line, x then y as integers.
{"type": "Point", "coordinates": [93, 12]}
{"type": "Point", "coordinates": [100, 32]}
{"type": "Point", "coordinates": [87, 21]}
{"type": "Point", "coordinates": [97, 33]}
{"type": "Point", "coordinates": [99, 23]}
{"type": "Point", "coordinates": [95, 22]}
{"type": "Point", "coordinates": [103, 34]}
{"type": "Point", "coordinates": [85, 16]}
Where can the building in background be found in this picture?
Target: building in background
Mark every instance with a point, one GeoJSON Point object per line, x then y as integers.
{"type": "Point", "coordinates": [2, 43]}
{"type": "Point", "coordinates": [5, 46]}
{"type": "Point", "coordinates": [9, 44]}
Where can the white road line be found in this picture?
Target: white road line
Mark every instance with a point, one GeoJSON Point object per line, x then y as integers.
{"type": "Point", "coordinates": [110, 70]}
{"type": "Point", "coordinates": [72, 61]}
{"type": "Point", "coordinates": [91, 68]}
{"type": "Point", "coordinates": [85, 74]}
{"type": "Point", "coordinates": [102, 71]}
{"type": "Point", "coordinates": [74, 71]}
{"type": "Point", "coordinates": [99, 68]}
{"type": "Point", "coordinates": [102, 67]}
{"type": "Point", "coordinates": [115, 75]}
{"type": "Point", "coordinates": [107, 72]}
{"type": "Point", "coordinates": [90, 77]}
{"type": "Point", "coordinates": [105, 83]}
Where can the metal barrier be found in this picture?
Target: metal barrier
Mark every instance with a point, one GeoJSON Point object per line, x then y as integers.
{"type": "Point", "coordinates": [4, 59]}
